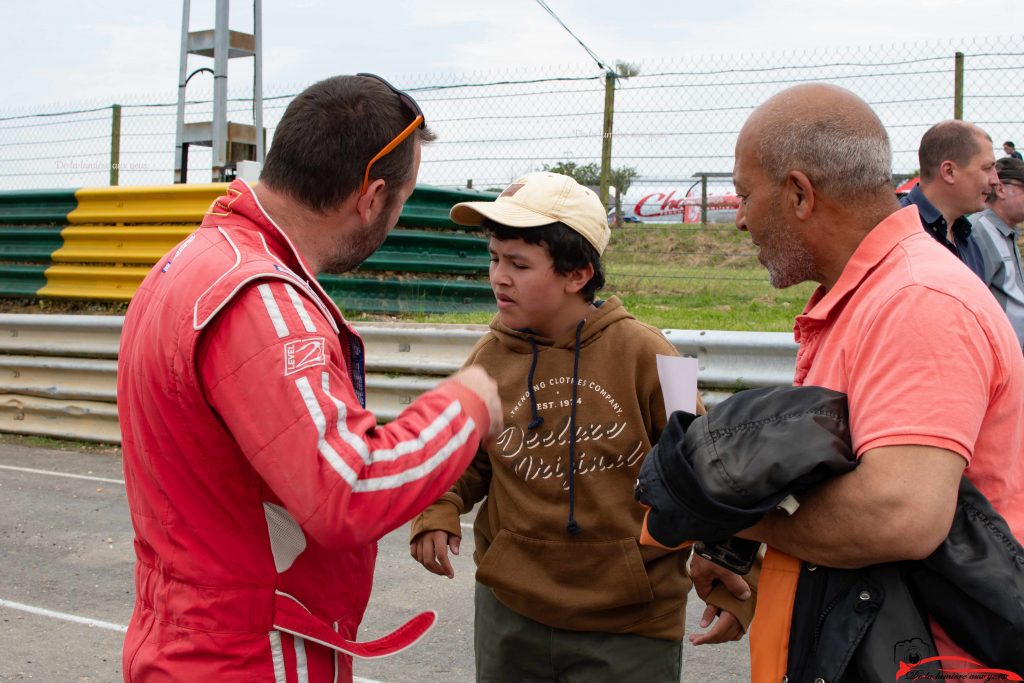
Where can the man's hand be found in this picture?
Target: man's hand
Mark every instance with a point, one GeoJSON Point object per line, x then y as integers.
{"type": "Point", "coordinates": [431, 550]}
{"type": "Point", "coordinates": [476, 379]}
{"type": "Point", "coordinates": [704, 574]}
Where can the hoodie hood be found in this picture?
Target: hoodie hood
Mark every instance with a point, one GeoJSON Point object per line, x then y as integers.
{"type": "Point", "coordinates": [518, 341]}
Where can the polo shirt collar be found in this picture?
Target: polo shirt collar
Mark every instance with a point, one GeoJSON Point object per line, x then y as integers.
{"type": "Point", "coordinates": [999, 224]}
{"type": "Point", "coordinates": [929, 214]}
{"type": "Point", "coordinates": [872, 250]}
{"type": "Point", "coordinates": [933, 220]}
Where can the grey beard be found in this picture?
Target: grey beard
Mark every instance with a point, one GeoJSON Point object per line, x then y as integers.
{"type": "Point", "coordinates": [797, 267]}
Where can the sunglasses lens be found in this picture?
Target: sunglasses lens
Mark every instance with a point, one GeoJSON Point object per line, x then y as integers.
{"type": "Point", "coordinates": [408, 101]}
{"type": "Point", "coordinates": [415, 108]}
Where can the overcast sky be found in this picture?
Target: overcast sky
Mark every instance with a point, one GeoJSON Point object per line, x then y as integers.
{"type": "Point", "coordinates": [60, 52]}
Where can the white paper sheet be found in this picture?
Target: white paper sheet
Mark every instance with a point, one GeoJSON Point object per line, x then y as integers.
{"type": "Point", "coordinates": [678, 377]}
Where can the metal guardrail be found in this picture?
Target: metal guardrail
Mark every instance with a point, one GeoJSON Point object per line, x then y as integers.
{"type": "Point", "coordinates": [732, 361]}
{"type": "Point", "coordinates": [426, 208]}
{"type": "Point", "coordinates": [98, 244]}
{"type": "Point", "coordinates": [58, 372]}
{"type": "Point", "coordinates": [73, 336]}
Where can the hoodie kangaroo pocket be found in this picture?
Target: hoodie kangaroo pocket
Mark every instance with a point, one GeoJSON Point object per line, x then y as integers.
{"type": "Point", "coordinates": [576, 575]}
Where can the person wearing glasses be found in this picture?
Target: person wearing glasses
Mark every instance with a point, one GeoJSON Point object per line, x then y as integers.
{"type": "Point", "coordinates": [995, 231]}
{"type": "Point", "coordinates": [257, 480]}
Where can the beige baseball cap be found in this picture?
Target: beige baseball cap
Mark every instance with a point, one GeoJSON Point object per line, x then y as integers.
{"type": "Point", "coordinates": [539, 199]}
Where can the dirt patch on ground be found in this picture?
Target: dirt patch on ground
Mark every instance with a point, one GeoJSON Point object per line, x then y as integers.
{"type": "Point", "coordinates": [63, 307]}
{"type": "Point", "coordinates": [27, 441]}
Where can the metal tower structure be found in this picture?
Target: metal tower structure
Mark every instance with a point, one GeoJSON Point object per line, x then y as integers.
{"type": "Point", "coordinates": [230, 142]}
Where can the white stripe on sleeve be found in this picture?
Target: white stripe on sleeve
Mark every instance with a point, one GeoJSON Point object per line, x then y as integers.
{"type": "Point", "coordinates": [440, 423]}
{"type": "Point", "coordinates": [401, 448]}
{"type": "Point", "coordinates": [412, 474]}
{"type": "Point", "coordinates": [280, 326]}
{"type": "Point", "coordinates": [300, 308]}
{"type": "Point", "coordinates": [320, 421]}
{"type": "Point", "coordinates": [350, 439]}
{"type": "Point", "coordinates": [414, 445]}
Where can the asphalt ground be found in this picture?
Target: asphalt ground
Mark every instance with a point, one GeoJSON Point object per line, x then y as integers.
{"type": "Point", "coordinates": [66, 588]}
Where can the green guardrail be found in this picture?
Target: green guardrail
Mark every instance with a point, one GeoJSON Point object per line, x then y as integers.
{"type": "Point", "coordinates": [22, 282]}
{"type": "Point", "coordinates": [428, 206]}
{"type": "Point", "coordinates": [36, 206]}
{"type": "Point", "coordinates": [116, 226]}
{"type": "Point", "coordinates": [34, 243]}
{"type": "Point", "coordinates": [367, 295]}
{"type": "Point", "coordinates": [404, 250]}
{"type": "Point", "coordinates": [422, 251]}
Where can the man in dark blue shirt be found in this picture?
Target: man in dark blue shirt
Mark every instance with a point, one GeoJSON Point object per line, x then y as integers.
{"type": "Point", "coordinates": [957, 176]}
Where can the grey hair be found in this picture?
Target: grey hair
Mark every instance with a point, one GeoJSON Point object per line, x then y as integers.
{"type": "Point", "coordinates": [844, 159]}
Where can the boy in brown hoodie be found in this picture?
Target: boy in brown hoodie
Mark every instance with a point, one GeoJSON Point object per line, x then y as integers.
{"type": "Point", "coordinates": [564, 590]}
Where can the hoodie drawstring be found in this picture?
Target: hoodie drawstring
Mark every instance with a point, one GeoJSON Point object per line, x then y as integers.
{"type": "Point", "coordinates": [572, 527]}
{"type": "Point", "coordinates": [536, 420]}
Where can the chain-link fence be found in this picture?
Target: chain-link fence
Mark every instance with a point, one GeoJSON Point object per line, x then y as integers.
{"type": "Point", "coordinates": [673, 122]}
{"type": "Point", "coordinates": [126, 144]}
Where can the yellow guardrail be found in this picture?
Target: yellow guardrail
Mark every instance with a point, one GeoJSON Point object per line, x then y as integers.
{"type": "Point", "coordinates": [112, 243]}
{"type": "Point", "coordinates": [49, 237]}
{"type": "Point", "coordinates": [96, 283]}
{"type": "Point", "coordinates": [122, 225]}
{"type": "Point", "coordinates": [145, 204]}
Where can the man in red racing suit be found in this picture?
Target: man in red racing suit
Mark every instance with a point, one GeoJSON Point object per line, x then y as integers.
{"type": "Point", "coordinates": [258, 482]}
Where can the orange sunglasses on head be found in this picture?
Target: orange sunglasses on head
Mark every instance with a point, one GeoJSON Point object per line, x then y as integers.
{"type": "Point", "coordinates": [417, 122]}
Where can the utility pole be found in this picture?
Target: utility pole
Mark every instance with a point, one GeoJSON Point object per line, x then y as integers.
{"type": "Point", "coordinates": [606, 139]}
{"type": "Point", "coordinates": [115, 144]}
{"type": "Point", "coordinates": [958, 87]}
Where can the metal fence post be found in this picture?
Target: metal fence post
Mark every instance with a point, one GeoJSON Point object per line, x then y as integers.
{"type": "Point", "coordinates": [704, 199]}
{"type": "Point", "coordinates": [606, 138]}
{"type": "Point", "coordinates": [958, 87]}
{"type": "Point", "coordinates": [115, 143]}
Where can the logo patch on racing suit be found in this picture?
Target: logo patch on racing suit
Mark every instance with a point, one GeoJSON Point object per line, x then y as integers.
{"type": "Point", "coordinates": [304, 353]}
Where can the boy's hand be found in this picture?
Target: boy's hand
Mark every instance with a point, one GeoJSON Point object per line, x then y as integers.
{"type": "Point", "coordinates": [431, 550]}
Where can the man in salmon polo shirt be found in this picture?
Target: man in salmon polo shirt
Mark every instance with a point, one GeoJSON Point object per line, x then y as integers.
{"type": "Point", "coordinates": [928, 360]}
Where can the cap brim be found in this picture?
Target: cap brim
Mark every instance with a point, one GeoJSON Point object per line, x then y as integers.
{"type": "Point", "coordinates": [506, 213]}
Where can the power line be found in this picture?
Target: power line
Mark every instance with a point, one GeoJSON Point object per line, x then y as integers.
{"type": "Point", "coordinates": [590, 52]}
